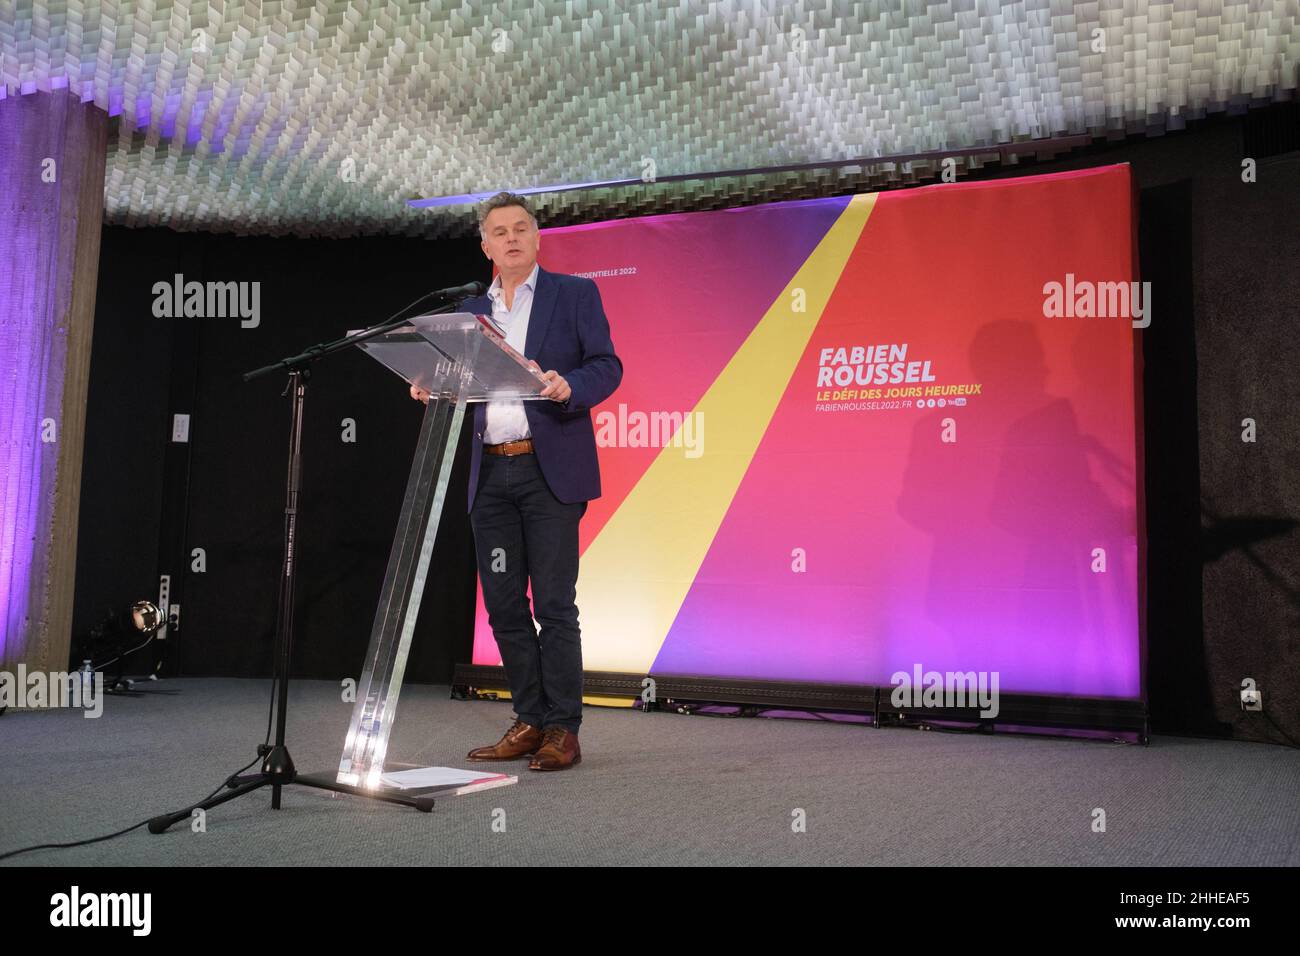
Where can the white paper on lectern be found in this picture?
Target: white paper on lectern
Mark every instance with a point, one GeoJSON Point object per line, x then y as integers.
{"type": "Point", "coordinates": [435, 323]}
{"type": "Point", "coordinates": [498, 371]}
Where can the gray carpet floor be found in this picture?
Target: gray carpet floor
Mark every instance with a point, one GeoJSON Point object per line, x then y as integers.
{"type": "Point", "coordinates": [652, 789]}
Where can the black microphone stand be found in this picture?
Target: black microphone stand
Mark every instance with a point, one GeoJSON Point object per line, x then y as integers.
{"type": "Point", "coordinates": [278, 770]}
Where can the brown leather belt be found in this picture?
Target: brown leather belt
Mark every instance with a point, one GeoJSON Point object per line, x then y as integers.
{"type": "Point", "coordinates": [524, 446]}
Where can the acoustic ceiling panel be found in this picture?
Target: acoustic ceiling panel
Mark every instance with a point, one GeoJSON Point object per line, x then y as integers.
{"type": "Point", "coordinates": [324, 118]}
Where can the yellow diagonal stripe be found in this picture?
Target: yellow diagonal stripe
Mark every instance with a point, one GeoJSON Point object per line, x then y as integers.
{"type": "Point", "coordinates": [636, 573]}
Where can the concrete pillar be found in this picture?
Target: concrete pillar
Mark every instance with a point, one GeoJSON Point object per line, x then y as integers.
{"type": "Point", "coordinates": [52, 156]}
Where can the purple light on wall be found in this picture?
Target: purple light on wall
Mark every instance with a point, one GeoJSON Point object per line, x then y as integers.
{"type": "Point", "coordinates": [52, 150]}
{"type": "Point", "coordinates": [26, 376]}
{"type": "Point", "coordinates": [24, 371]}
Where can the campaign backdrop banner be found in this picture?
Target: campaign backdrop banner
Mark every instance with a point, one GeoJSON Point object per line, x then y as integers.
{"type": "Point", "coordinates": [862, 435]}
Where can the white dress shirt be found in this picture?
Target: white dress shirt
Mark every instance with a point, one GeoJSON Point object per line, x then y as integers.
{"type": "Point", "coordinates": [506, 420]}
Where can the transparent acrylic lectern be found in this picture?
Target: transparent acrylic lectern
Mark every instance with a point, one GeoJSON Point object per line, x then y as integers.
{"type": "Point", "coordinates": [458, 358]}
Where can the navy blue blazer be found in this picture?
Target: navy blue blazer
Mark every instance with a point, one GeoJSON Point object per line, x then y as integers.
{"type": "Point", "coordinates": [568, 332]}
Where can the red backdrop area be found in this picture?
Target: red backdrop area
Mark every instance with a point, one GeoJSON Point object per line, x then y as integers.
{"type": "Point", "coordinates": [985, 515]}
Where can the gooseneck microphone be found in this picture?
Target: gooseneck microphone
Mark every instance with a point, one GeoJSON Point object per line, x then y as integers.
{"type": "Point", "coordinates": [467, 291]}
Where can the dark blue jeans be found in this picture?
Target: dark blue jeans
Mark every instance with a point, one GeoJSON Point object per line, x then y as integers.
{"type": "Point", "coordinates": [523, 534]}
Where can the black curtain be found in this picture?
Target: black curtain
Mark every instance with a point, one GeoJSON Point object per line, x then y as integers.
{"type": "Point", "coordinates": [148, 502]}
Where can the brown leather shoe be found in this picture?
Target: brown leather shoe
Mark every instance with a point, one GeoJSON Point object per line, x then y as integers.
{"type": "Point", "coordinates": [519, 741]}
{"type": "Point", "coordinates": [559, 750]}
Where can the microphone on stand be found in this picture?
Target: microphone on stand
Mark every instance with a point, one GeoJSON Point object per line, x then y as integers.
{"type": "Point", "coordinates": [452, 294]}
{"type": "Point", "coordinates": [467, 291]}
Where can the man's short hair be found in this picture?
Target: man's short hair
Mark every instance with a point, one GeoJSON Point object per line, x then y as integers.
{"type": "Point", "coordinates": [500, 201]}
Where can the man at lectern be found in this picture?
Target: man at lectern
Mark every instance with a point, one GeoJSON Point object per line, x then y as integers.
{"type": "Point", "coordinates": [533, 469]}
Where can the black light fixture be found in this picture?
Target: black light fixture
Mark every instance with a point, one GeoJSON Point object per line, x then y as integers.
{"type": "Point", "coordinates": [147, 617]}
{"type": "Point", "coordinates": [117, 637]}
